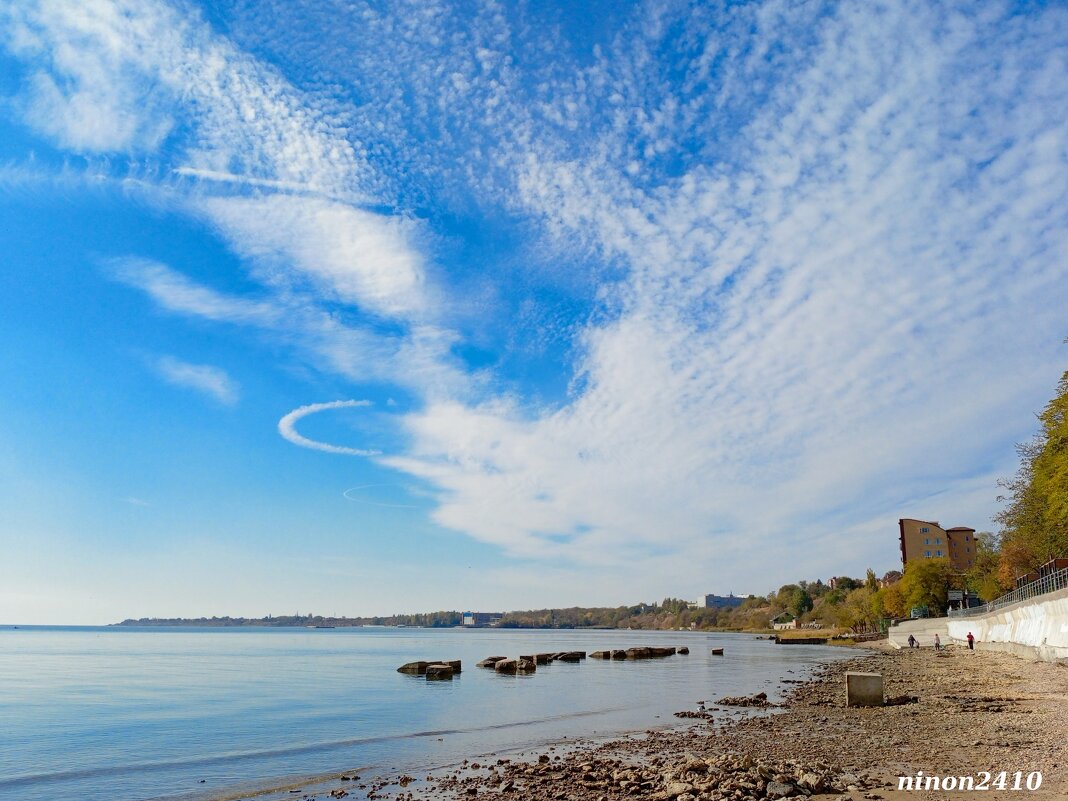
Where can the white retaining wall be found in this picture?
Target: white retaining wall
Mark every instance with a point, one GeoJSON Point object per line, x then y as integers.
{"type": "Point", "coordinates": [923, 630]}
{"type": "Point", "coordinates": [1034, 629]}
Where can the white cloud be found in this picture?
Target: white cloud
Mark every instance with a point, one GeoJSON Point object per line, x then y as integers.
{"type": "Point", "coordinates": [204, 378]}
{"type": "Point", "coordinates": [175, 292]}
{"type": "Point", "coordinates": [287, 427]}
{"type": "Point", "coordinates": [831, 249]}
{"type": "Point", "coordinates": [419, 358]}
{"type": "Point", "coordinates": [356, 256]}
{"type": "Point", "coordinates": [807, 336]}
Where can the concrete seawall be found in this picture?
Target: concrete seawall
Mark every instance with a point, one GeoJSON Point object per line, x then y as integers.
{"type": "Point", "coordinates": [1035, 629]}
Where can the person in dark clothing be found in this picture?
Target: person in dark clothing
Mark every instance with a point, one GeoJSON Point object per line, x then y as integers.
{"type": "Point", "coordinates": [971, 641]}
{"type": "Point", "coordinates": [912, 641]}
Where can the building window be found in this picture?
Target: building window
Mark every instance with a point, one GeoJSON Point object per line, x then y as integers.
{"type": "Point", "coordinates": [924, 530]}
{"type": "Point", "coordinates": [927, 542]}
{"type": "Point", "coordinates": [927, 554]}
{"type": "Point", "coordinates": [938, 553]}
{"type": "Point", "coordinates": [938, 540]}
{"type": "Point", "coordinates": [967, 537]}
{"type": "Point", "coordinates": [969, 550]}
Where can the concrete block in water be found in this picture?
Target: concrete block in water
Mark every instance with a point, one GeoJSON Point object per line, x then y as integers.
{"type": "Point", "coordinates": [864, 689]}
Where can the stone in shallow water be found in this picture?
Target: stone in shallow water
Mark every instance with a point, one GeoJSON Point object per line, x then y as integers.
{"type": "Point", "coordinates": [441, 671]}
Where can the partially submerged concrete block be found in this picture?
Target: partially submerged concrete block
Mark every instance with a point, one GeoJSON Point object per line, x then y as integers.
{"type": "Point", "coordinates": [439, 671]}
{"type": "Point", "coordinates": [864, 689]}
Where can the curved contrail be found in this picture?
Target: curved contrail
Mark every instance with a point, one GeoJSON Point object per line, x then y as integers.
{"type": "Point", "coordinates": [287, 430]}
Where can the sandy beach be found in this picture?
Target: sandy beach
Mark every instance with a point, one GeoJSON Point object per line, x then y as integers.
{"type": "Point", "coordinates": [972, 712]}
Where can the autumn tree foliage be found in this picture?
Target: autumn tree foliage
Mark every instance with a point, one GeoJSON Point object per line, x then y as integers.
{"type": "Point", "coordinates": [1034, 522]}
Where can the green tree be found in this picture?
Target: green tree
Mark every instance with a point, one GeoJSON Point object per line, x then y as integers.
{"type": "Point", "coordinates": [800, 602]}
{"type": "Point", "coordinates": [871, 581]}
{"type": "Point", "coordinates": [858, 612]}
{"type": "Point", "coordinates": [1034, 522]}
{"type": "Point", "coordinates": [926, 583]}
{"type": "Point", "coordinates": [983, 577]}
{"type": "Point", "coordinates": [892, 600]}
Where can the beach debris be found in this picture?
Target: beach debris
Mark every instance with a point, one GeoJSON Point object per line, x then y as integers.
{"type": "Point", "coordinates": [759, 700]}
{"type": "Point", "coordinates": [901, 700]}
{"type": "Point", "coordinates": [700, 714]}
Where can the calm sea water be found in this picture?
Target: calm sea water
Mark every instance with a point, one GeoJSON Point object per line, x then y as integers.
{"type": "Point", "coordinates": [115, 714]}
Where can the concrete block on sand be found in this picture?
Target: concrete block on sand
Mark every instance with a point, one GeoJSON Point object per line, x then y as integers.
{"type": "Point", "coordinates": [864, 689]}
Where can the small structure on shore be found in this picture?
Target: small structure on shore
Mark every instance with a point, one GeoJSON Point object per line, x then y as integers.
{"type": "Point", "coordinates": [864, 689]}
{"type": "Point", "coordinates": [783, 621]}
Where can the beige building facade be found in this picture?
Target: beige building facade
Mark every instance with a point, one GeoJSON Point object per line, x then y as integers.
{"type": "Point", "coordinates": [925, 539]}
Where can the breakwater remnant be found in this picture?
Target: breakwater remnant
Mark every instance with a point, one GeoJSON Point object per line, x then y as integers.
{"type": "Point", "coordinates": [650, 652]}
{"type": "Point", "coordinates": [444, 669]}
{"type": "Point", "coordinates": [516, 666]}
{"type": "Point", "coordinates": [527, 663]}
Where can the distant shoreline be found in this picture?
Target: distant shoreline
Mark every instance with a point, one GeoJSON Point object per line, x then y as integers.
{"type": "Point", "coordinates": [377, 622]}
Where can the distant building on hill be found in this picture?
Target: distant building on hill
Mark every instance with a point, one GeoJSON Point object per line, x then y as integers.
{"type": "Point", "coordinates": [719, 601]}
{"type": "Point", "coordinates": [477, 619]}
{"type": "Point", "coordinates": [783, 621]}
{"type": "Point", "coordinates": [924, 539]}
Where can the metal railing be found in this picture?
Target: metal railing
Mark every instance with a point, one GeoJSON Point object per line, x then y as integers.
{"type": "Point", "coordinates": [1054, 581]}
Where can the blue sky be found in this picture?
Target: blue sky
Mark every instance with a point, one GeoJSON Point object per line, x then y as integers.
{"type": "Point", "coordinates": [364, 308]}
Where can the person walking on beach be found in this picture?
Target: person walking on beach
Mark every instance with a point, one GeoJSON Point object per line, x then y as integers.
{"type": "Point", "coordinates": [971, 641]}
{"type": "Point", "coordinates": [938, 643]}
{"type": "Point", "coordinates": [912, 641]}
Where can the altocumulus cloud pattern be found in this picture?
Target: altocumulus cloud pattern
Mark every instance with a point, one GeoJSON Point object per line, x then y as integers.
{"type": "Point", "coordinates": [734, 266]}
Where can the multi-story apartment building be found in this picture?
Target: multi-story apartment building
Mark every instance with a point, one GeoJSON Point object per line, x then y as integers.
{"type": "Point", "coordinates": [924, 539]}
{"type": "Point", "coordinates": [731, 601]}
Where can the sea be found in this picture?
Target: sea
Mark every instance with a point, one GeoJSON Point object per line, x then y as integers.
{"type": "Point", "coordinates": [126, 713]}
